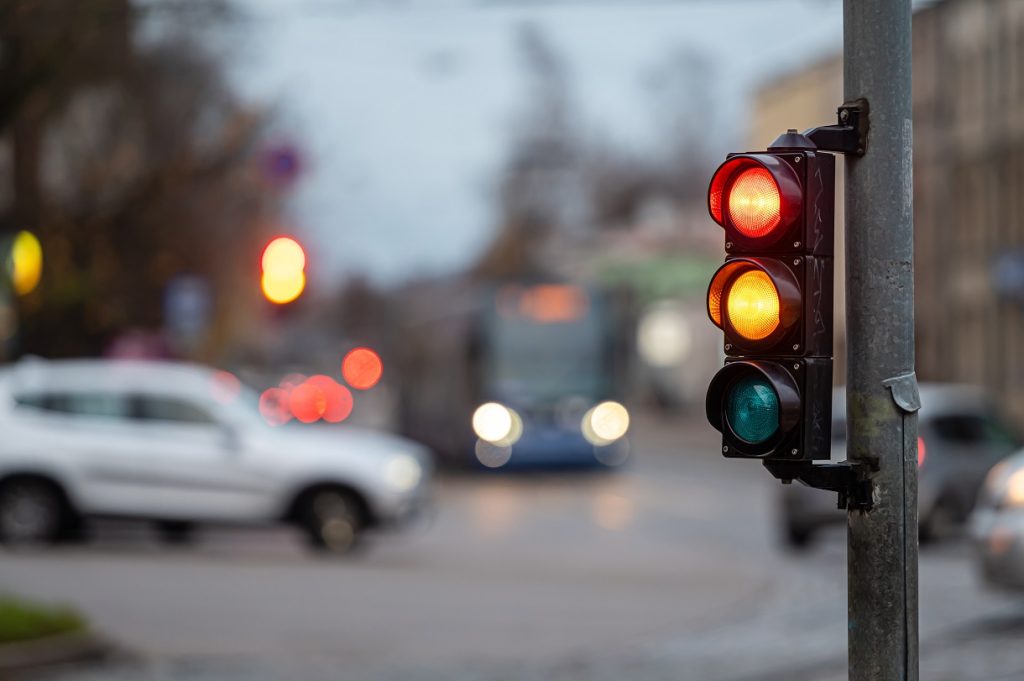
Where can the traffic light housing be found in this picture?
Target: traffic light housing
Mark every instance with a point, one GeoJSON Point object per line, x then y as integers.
{"type": "Point", "coordinates": [772, 298]}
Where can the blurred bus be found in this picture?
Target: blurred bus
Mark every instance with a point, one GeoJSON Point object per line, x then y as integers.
{"type": "Point", "coordinates": [518, 375]}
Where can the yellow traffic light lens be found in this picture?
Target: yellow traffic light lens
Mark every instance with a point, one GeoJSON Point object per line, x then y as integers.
{"type": "Point", "coordinates": [752, 305]}
{"type": "Point", "coordinates": [755, 206]}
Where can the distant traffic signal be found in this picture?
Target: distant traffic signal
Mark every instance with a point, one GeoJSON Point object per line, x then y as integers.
{"type": "Point", "coordinates": [284, 270]}
{"type": "Point", "coordinates": [772, 298]}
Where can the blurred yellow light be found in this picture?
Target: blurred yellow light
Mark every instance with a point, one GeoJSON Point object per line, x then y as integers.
{"type": "Point", "coordinates": [605, 423]}
{"type": "Point", "coordinates": [283, 258]}
{"type": "Point", "coordinates": [26, 262]}
{"type": "Point", "coordinates": [663, 336]}
{"type": "Point", "coordinates": [492, 422]}
{"type": "Point", "coordinates": [753, 305]}
{"type": "Point", "coordinates": [1015, 489]}
{"type": "Point", "coordinates": [282, 290]}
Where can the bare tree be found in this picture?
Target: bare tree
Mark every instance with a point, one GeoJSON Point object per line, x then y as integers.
{"type": "Point", "coordinates": [140, 170]}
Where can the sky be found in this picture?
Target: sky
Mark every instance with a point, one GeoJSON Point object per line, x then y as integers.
{"type": "Point", "coordinates": [401, 109]}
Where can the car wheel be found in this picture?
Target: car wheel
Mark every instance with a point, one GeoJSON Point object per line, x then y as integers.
{"type": "Point", "coordinates": [32, 512]}
{"type": "Point", "coordinates": [333, 519]}
{"type": "Point", "coordinates": [176, 532]}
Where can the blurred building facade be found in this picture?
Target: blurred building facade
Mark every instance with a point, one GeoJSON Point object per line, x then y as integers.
{"type": "Point", "coordinates": [968, 179]}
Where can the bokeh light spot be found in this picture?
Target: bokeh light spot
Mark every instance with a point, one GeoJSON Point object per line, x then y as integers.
{"type": "Point", "coordinates": [308, 402]}
{"type": "Point", "coordinates": [492, 455]}
{"type": "Point", "coordinates": [338, 398]}
{"type": "Point", "coordinates": [284, 276]}
{"type": "Point", "coordinates": [283, 258]}
{"type": "Point", "coordinates": [274, 406]}
{"type": "Point", "coordinates": [283, 290]}
{"type": "Point", "coordinates": [605, 423]}
{"type": "Point", "coordinates": [26, 262]}
{"type": "Point", "coordinates": [362, 368]}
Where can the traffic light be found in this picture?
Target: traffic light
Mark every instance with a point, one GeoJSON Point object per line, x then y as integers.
{"type": "Point", "coordinates": [772, 298]}
{"type": "Point", "coordinates": [284, 270]}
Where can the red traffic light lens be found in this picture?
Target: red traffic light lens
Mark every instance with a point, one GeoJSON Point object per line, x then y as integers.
{"type": "Point", "coordinates": [756, 197]}
{"type": "Point", "coordinates": [754, 204]}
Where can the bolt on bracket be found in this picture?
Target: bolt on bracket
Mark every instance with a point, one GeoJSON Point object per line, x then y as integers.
{"type": "Point", "coordinates": [849, 135]}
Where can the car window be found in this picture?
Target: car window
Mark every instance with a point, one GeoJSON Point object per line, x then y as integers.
{"type": "Point", "coordinates": [92, 404]}
{"type": "Point", "coordinates": [150, 408]}
{"type": "Point", "coordinates": [974, 431]}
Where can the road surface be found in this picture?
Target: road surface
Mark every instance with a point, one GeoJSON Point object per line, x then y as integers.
{"type": "Point", "coordinates": [667, 569]}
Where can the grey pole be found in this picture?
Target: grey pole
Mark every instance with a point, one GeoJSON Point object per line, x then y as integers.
{"type": "Point", "coordinates": [881, 387]}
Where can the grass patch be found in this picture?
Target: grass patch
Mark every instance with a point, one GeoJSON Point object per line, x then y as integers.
{"type": "Point", "coordinates": [21, 620]}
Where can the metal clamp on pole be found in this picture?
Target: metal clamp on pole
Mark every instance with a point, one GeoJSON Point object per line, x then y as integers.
{"type": "Point", "coordinates": [848, 480]}
{"type": "Point", "coordinates": [849, 135]}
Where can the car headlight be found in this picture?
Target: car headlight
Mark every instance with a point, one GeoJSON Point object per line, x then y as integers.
{"type": "Point", "coordinates": [1004, 487]}
{"type": "Point", "coordinates": [605, 423]}
{"type": "Point", "coordinates": [497, 424]}
{"type": "Point", "coordinates": [403, 472]}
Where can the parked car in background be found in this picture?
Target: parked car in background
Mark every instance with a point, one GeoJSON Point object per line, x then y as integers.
{"type": "Point", "coordinates": [959, 440]}
{"type": "Point", "coordinates": [997, 525]}
{"type": "Point", "coordinates": [181, 445]}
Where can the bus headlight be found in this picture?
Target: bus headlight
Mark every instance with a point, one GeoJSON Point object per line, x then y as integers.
{"type": "Point", "coordinates": [403, 472]}
{"type": "Point", "coordinates": [605, 423]}
{"type": "Point", "coordinates": [497, 424]}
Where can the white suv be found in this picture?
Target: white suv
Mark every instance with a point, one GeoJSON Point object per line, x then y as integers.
{"type": "Point", "coordinates": [161, 441]}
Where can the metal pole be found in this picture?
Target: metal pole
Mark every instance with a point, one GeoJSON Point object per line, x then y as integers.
{"type": "Point", "coordinates": [881, 388]}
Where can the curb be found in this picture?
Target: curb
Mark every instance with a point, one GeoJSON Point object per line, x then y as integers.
{"type": "Point", "coordinates": [50, 651]}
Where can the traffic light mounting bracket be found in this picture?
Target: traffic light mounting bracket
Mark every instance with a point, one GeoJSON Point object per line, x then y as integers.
{"type": "Point", "coordinates": [849, 135]}
{"type": "Point", "coordinates": [849, 480]}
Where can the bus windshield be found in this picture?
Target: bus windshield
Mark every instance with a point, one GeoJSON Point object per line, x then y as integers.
{"type": "Point", "coordinates": [536, 357]}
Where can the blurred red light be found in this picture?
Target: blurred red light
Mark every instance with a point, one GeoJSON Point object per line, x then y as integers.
{"type": "Point", "coordinates": [922, 452]}
{"type": "Point", "coordinates": [362, 368]}
{"type": "Point", "coordinates": [338, 399]}
{"type": "Point", "coordinates": [274, 406]}
{"type": "Point", "coordinates": [308, 402]}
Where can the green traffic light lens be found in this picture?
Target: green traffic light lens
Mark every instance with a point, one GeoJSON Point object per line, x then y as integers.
{"type": "Point", "coordinates": [753, 409]}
